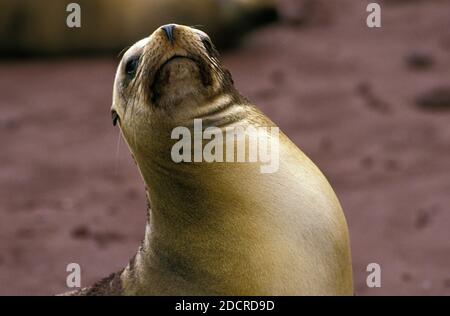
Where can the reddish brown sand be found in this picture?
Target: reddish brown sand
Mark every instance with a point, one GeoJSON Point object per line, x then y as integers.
{"type": "Point", "coordinates": [344, 93]}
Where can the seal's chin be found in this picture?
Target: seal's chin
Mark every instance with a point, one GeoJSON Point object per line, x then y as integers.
{"type": "Point", "coordinates": [176, 59]}
{"type": "Point", "coordinates": [177, 79]}
{"type": "Point", "coordinates": [179, 73]}
{"type": "Point", "coordinates": [175, 68]}
{"type": "Point", "coordinates": [172, 66]}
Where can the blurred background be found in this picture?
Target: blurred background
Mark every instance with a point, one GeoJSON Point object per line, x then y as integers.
{"type": "Point", "coordinates": [370, 106]}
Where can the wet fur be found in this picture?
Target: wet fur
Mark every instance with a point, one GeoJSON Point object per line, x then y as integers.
{"type": "Point", "coordinates": [214, 228]}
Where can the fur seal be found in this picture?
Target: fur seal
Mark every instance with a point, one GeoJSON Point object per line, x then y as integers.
{"type": "Point", "coordinates": [39, 27]}
{"type": "Point", "coordinates": [218, 228]}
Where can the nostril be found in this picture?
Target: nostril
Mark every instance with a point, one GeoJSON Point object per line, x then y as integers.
{"type": "Point", "coordinates": [168, 29]}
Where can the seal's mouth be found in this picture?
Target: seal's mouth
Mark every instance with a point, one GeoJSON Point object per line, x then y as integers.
{"type": "Point", "coordinates": [173, 58]}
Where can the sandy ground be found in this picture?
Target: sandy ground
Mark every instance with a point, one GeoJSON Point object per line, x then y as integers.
{"type": "Point", "coordinates": [344, 93]}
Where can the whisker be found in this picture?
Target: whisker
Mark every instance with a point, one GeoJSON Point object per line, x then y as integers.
{"type": "Point", "coordinates": [116, 160]}
{"type": "Point", "coordinates": [197, 26]}
{"type": "Point", "coordinates": [123, 51]}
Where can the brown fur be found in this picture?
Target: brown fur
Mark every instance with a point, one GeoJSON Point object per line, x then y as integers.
{"type": "Point", "coordinates": [220, 228]}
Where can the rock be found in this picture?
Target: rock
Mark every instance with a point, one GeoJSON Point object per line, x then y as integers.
{"type": "Point", "coordinates": [367, 162]}
{"type": "Point", "coordinates": [391, 165]}
{"type": "Point", "coordinates": [418, 60]}
{"type": "Point", "coordinates": [9, 122]}
{"type": "Point", "coordinates": [295, 12]}
{"type": "Point", "coordinates": [435, 99]}
{"type": "Point", "coordinates": [102, 239]}
{"type": "Point", "coordinates": [406, 277]}
{"type": "Point", "coordinates": [302, 12]}
{"type": "Point", "coordinates": [422, 219]}
{"type": "Point", "coordinates": [447, 283]}
{"type": "Point", "coordinates": [373, 101]}
{"type": "Point", "coordinates": [81, 232]}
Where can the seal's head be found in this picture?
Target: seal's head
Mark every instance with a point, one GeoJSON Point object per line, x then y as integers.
{"type": "Point", "coordinates": [174, 68]}
{"type": "Point", "coordinates": [165, 81]}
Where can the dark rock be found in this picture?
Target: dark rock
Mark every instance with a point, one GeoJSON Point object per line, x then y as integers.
{"type": "Point", "coordinates": [391, 165]}
{"type": "Point", "coordinates": [364, 89]}
{"type": "Point", "coordinates": [104, 238]}
{"type": "Point", "coordinates": [367, 162]}
{"type": "Point", "coordinates": [435, 99]}
{"type": "Point", "coordinates": [406, 277]}
{"type": "Point", "coordinates": [419, 60]}
{"type": "Point", "coordinates": [306, 12]}
{"type": "Point", "coordinates": [81, 232]}
{"type": "Point", "coordinates": [447, 283]}
{"type": "Point", "coordinates": [422, 219]}
{"type": "Point", "coordinates": [295, 12]}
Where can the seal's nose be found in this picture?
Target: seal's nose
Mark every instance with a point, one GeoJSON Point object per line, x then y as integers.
{"type": "Point", "coordinates": [168, 29]}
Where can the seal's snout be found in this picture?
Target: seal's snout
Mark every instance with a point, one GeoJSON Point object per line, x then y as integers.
{"type": "Point", "coordinates": [168, 29]}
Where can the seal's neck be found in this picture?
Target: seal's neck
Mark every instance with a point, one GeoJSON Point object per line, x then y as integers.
{"type": "Point", "coordinates": [196, 230]}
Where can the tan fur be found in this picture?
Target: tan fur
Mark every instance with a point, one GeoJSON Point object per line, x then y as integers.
{"type": "Point", "coordinates": [222, 228]}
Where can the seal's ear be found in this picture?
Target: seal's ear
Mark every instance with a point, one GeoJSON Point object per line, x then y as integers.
{"type": "Point", "coordinates": [115, 117]}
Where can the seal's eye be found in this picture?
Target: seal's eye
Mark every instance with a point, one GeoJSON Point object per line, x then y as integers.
{"type": "Point", "coordinates": [131, 65]}
{"type": "Point", "coordinates": [208, 45]}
